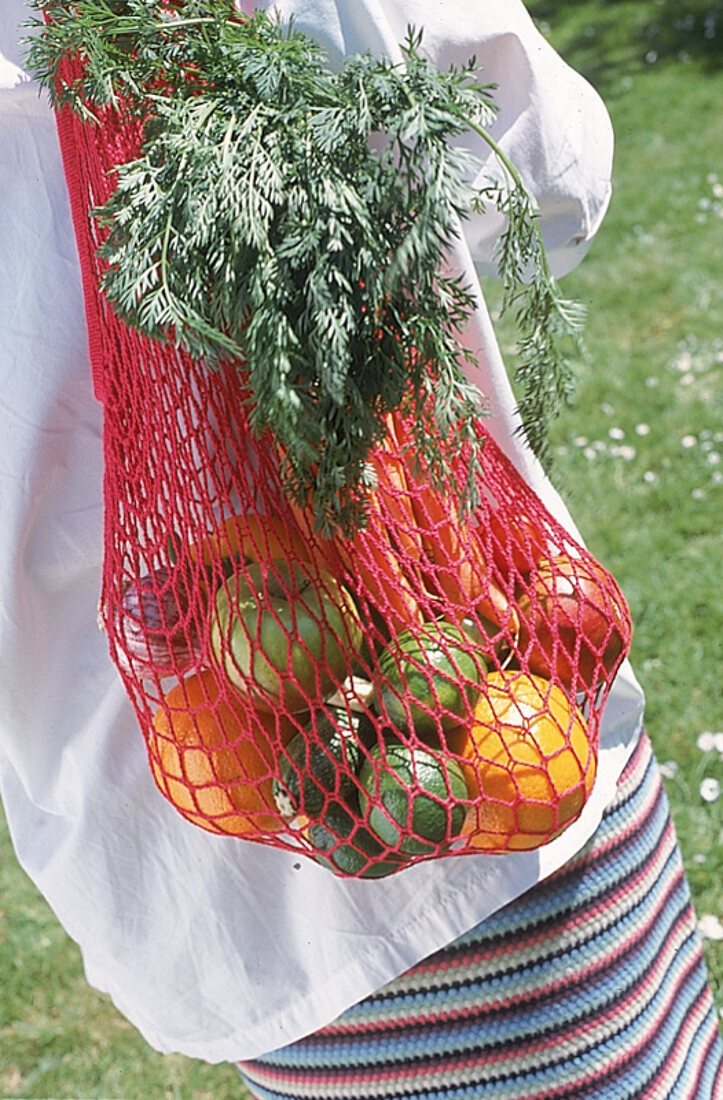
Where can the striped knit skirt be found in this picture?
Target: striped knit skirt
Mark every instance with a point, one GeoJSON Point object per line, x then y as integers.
{"type": "Point", "coordinates": [591, 986]}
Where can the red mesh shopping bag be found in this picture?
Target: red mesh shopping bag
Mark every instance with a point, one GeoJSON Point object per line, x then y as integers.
{"type": "Point", "coordinates": [429, 685]}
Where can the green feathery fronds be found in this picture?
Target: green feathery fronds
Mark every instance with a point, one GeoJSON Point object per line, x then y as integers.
{"type": "Point", "coordinates": [296, 219]}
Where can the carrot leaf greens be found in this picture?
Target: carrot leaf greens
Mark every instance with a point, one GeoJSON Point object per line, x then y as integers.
{"type": "Point", "coordinates": [297, 218]}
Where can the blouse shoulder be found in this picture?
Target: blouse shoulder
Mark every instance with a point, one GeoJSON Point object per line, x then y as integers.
{"type": "Point", "coordinates": [550, 121]}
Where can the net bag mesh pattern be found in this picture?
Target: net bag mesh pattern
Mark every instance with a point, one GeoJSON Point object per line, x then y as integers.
{"type": "Point", "coordinates": [427, 686]}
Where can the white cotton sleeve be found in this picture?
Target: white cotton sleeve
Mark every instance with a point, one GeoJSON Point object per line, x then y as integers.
{"type": "Point", "coordinates": [557, 132]}
{"type": "Point", "coordinates": [550, 122]}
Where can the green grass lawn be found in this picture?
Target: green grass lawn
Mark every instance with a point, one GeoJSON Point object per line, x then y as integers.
{"type": "Point", "coordinates": [640, 460]}
{"type": "Point", "coordinates": [640, 455]}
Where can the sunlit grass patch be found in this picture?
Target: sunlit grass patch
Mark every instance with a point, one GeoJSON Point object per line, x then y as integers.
{"type": "Point", "coordinates": [639, 456]}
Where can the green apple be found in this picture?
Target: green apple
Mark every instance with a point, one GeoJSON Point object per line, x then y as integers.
{"type": "Point", "coordinates": [286, 633]}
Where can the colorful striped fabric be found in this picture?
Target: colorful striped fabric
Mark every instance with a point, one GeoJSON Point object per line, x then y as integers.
{"type": "Point", "coordinates": [592, 986]}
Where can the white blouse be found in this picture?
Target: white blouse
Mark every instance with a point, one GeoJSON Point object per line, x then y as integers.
{"type": "Point", "coordinates": [219, 948]}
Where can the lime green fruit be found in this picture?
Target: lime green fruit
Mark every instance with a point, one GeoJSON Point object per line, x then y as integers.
{"type": "Point", "coordinates": [436, 669]}
{"type": "Point", "coordinates": [423, 798]}
{"type": "Point", "coordinates": [319, 762]}
{"type": "Point", "coordinates": [284, 634]}
{"type": "Point", "coordinates": [361, 855]}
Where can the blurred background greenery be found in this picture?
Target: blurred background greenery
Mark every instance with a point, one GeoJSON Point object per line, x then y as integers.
{"type": "Point", "coordinates": [639, 458]}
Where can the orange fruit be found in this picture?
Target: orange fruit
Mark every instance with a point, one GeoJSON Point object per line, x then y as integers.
{"type": "Point", "coordinates": [528, 761]}
{"type": "Point", "coordinates": [212, 757]}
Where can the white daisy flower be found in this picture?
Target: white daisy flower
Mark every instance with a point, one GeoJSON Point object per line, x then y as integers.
{"type": "Point", "coordinates": [710, 789]}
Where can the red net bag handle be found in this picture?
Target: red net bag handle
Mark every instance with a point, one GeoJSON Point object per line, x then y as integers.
{"type": "Point", "coordinates": [431, 685]}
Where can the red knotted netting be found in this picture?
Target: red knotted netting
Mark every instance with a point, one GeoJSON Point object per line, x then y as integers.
{"type": "Point", "coordinates": [428, 686]}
